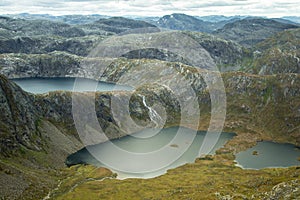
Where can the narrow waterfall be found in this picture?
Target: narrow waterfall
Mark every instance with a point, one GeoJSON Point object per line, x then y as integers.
{"type": "Point", "coordinates": [154, 116]}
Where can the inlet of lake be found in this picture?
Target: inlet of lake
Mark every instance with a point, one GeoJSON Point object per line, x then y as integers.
{"type": "Point", "coordinates": [267, 154]}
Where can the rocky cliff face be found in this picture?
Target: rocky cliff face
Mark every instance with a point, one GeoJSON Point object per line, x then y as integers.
{"type": "Point", "coordinates": [18, 119]}
{"type": "Point", "coordinates": [32, 149]}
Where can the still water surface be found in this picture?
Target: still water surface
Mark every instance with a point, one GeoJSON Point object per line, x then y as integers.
{"type": "Point", "coordinates": [44, 85]}
{"type": "Point", "coordinates": [139, 143]}
{"type": "Point", "coordinates": [269, 154]}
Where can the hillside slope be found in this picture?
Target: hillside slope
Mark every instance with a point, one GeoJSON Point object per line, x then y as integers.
{"type": "Point", "coordinates": [279, 54]}
{"type": "Point", "coordinates": [250, 31]}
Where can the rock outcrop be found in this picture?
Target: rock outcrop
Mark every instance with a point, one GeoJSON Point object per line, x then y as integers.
{"type": "Point", "coordinates": [285, 190]}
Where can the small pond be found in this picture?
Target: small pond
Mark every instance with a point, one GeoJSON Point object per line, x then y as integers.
{"type": "Point", "coordinates": [269, 154]}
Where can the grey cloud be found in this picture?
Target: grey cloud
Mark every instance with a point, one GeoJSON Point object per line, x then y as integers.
{"type": "Point", "coordinates": [286, 4]}
{"type": "Point", "coordinates": [5, 3]}
{"type": "Point", "coordinates": [218, 4]}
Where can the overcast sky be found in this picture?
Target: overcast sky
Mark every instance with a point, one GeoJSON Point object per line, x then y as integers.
{"type": "Point", "coordinates": [270, 8]}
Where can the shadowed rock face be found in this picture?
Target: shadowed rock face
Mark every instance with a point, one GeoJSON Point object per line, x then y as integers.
{"type": "Point", "coordinates": [17, 119]}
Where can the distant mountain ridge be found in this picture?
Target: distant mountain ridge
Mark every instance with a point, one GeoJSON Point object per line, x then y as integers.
{"type": "Point", "coordinates": [114, 25]}
{"type": "Point", "coordinates": [69, 19]}
{"type": "Point", "coordinates": [211, 24]}
{"type": "Point", "coordinates": [292, 18]}
{"type": "Point", "coordinates": [10, 27]}
{"type": "Point", "coordinates": [219, 18]}
{"type": "Point", "coordinates": [182, 22]}
{"type": "Point", "coordinates": [250, 31]}
{"type": "Point", "coordinates": [81, 19]}
{"type": "Point", "coordinates": [178, 21]}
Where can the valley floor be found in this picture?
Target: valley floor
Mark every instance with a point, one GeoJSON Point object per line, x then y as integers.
{"type": "Point", "coordinates": [208, 178]}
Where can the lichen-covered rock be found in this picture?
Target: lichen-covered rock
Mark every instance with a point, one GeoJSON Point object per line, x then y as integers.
{"type": "Point", "coordinates": [285, 190]}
